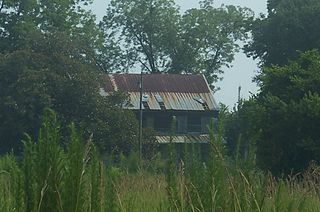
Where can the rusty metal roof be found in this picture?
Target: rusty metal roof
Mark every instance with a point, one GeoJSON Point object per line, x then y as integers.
{"type": "Point", "coordinates": [178, 83]}
{"type": "Point", "coordinates": [171, 91]}
{"type": "Point", "coordinates": [174, 101]}
{"type": "Point", "coordinates": [183, 139]}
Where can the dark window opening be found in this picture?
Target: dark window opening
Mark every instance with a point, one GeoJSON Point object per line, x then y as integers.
{"type": "Point", "coordinates": [205, 106]}
{"type": "Point", "coordinates": [160, 102]}
{"type": "Point", "coordinates": [194, 124]}
{"type": "Point", "coordinates": [205, 124]}
{"type": "Point", "coordinates": [162, 106]}
{"type": "Point", "coordinates": [162, 123]}
{"type": "Point", "coordinates": [202, 102]}
{"type": "Point", "coordinates": [145, 99]}
{"type": "Point", "coordinates": [145, 105]}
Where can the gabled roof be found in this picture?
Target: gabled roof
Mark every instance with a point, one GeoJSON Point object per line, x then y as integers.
{"type": "Point", "coordinates": [175, 83]}
{"type": "Point", "coordinates": [164, 91]}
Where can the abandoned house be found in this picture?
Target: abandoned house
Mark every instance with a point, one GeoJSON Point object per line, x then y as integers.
{"type": "Point", "coordinates": [188, 98]}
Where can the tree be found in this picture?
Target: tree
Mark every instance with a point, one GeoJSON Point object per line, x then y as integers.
{"type": "Point", "coordinates": [290, 27]}
{"type": "Point", "coordinates": [242, 128]}
{"type": "Point", "coordinates": [286, 114]}
{"type": "Point", "coordinates": [23, 22]}
{"type": "Point", "coordinates": [154, 34]}
{"type": "Point", "coordinates": [209, 38]}
{"type": "Point", "coordinates": [147, 28]}
{"type": "Point", "coordinates": [48, 59]}
{"type": "Point", "coordinates": [32, 81]}
{"type": "Point", "coordinates": [288, 101]}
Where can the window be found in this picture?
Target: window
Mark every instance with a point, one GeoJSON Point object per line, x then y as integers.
{"type": "Point", "coordinates": [162, 123]}
{"type": "Point", "coordinates": [202, 102]}
{"type": "Point", "coordinates": [145, 99]}
{"type": "Point", "coordinates": [194, 124]}
{"type": "Point", "coordinates": [160, 101]}
{"type": "Point", "coordinates": [145, 105]}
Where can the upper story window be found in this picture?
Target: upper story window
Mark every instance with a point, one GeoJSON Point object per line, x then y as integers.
{"type": "Point", "coordinates": [145, 99]}
{"type": "Point", "coordinates": [160, 101]}
{"type": "Point", "coordinates": [202, 102]}
{"type": "Point", "coordinates": [162, 123]}
{"type": "Point", "coordinates": [194, 124]}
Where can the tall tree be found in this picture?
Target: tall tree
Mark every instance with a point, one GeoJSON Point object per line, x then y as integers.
{"type": "Point", "coordinates": [289, 27]}
{"type": "Point", "coordinates": [146, 28]}
{"type": "Point", "coordinates": [48, 59]}
{"type": "Point", "coordinates": [208, 39]}
{"type": "Point", "coordinates": [154, 34]}
{"type": "Point", "coordinates": [24, 21]}
{"type": "Point", "coordinates": [286, 115]}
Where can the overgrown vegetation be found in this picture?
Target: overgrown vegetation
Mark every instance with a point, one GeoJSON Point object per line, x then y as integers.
{"type": "Point", "coordinates": [50, 176]}
{"type": "Point", "coordinates": [52, 54]}
{"type": "Point", "coordinates": [283, 118]}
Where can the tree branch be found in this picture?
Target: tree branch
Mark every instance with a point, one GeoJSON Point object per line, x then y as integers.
{"type": "Point", "coordinates": [2, 5]}
{"type": "Point", "coordinates": [143, 64]}
{"type": "Point", "coordinates": [144, 48]}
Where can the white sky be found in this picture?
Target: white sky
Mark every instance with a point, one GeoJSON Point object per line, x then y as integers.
{"type": "Point", "coordinates": [243, 69]}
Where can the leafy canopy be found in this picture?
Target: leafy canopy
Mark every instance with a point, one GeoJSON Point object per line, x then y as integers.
{"type": "Point", "coordinates": [48, 58]}
{"type": "Point", "coordinates": [290, 26]}
{"type": "Point", "coordinates": [155, 35]}
{"type": "Point", "coordinates": [285, 115]}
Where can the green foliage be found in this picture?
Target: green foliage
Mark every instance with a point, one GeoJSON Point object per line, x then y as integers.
{"type": "Point", "coordinates": [208, 39]}
{"type": "Point", "coordinates": [221, 185]}
{"type": "Point", "coordinates": [150, 145]}
{"type": "Point", "coordinates": [291, 113]}
{"type": "Point", "coordinates": [147, 29]}
{"type": "Point", "coordinates": [242, 131]}
{"type": "Point", "coordinates": [51, 178]}
{"type": "Point", "coordinates": [24, 22]}
{"type": "Point", "coordinates": [48, 58]}
{"type": "Point", "coordinates": [175, 201]}
{"type": "Point", "coordinates": [155, 35]}
{"type": "Point", "coordinates": [11, 182]}
{"type": "Point", "coordinates": [283, 119]}
{"type": "Point", "coordinates": [31, 81]}
{"type": "Point", "coordinates": [289, 27]}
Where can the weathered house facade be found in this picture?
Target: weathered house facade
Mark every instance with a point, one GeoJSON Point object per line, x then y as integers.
{"type": "Point", "coordinates": [188, 98]}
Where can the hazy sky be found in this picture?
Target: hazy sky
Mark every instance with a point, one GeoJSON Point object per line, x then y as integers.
{"type": "Point", "coordinates": [243, 69]}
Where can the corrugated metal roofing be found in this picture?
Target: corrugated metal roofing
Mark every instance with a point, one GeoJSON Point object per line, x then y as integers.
{"type": "Point", "coordinates": [178, 92]}
{"type": "Point", "coordinates": [183, 139]}
{"type": "Point", "coordinates": [174, 101]}
{"type": "Point", "coordinates": [177, 83]}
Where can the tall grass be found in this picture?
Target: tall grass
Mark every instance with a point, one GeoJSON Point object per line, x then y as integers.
{"type": "Point", "coordinates": [49, 177]}
{"type": "Point", "coordinates": [67, 175]}
{"type": "Point", "coordinates": [225, 184]}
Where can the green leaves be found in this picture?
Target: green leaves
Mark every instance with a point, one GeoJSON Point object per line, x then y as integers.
{"type": "Point", "coordinates": [290, 26]}
{"type": "Point", "coordinates": [289, 117]}
{"type": "Point", "coordinates": [145, 28]}
{"type": "Point", "coordinates": [208, 39]}
{"type": "Point", "coordinates": [155, 35]}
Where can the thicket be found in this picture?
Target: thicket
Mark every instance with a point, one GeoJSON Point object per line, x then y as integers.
{"type": "Point", "coordinates": [284, 115]}
{"type": "Point", "coordinates": [283, 118]}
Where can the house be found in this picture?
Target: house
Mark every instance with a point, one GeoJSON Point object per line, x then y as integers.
{"type": "Point", "coordinates": [188, 98]}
